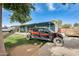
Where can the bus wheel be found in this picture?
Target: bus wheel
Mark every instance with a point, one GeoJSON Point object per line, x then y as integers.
{"type": "Point", "coordinates": [58, 41]}
{"type": "Point", "coordinates": [28, 36]}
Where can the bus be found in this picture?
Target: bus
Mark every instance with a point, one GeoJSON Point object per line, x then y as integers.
{"type": "Point", "coordinates": [49, 25]}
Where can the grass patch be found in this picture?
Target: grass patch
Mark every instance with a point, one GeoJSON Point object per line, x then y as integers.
{"type": "Point", "coordinates": [17, 39]}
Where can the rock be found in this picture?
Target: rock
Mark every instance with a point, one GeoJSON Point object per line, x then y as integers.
{"type": "Point", "coordinates": [35, 43]}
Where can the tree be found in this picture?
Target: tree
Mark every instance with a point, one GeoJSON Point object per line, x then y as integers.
{"type": "Point", "coordinates": [20, 11]}
{"type": "Point", "coordinates": [57, 22]}
{"type": "Point", "coordinates": [76, 25]}
{"type": "Point", "coordinates": [66, 26]}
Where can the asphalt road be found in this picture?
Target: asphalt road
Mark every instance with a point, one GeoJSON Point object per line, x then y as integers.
{"type": "Point", "coordinates": [5, 34]}
{"type": "Point", "coordinates": [71, 42]}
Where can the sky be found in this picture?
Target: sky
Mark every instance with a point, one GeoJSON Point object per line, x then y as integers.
{"type": "Point", "coordinates": [44, 12]}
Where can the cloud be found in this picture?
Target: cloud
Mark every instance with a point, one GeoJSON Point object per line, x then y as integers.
{"type": "Point", "coordinates": [38, 9]}
{"type": "Point", "coordinates": [5, 25]}
{"type": "Point", "coordinates": [51, 6]}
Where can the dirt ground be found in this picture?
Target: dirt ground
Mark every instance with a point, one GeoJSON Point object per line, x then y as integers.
{"type": "Point", "coordinates": [23, 50]}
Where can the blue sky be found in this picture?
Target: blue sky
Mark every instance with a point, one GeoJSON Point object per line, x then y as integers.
{"type": "Point", "coordinates": [68, 13]}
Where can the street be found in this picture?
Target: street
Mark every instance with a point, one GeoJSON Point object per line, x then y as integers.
{"type": "Point", "coordinates": [6, 34]}
{"type": "Point", "coordinates": [71, 42]}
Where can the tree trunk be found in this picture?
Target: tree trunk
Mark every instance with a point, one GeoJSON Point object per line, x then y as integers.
{"type": "Point", "coordinates": [2, 48]}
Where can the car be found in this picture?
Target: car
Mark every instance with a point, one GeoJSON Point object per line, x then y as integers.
{"type": "Point", "coordinates": [7, 29]}
{"type": "Point", "coordinates": [45, 33]}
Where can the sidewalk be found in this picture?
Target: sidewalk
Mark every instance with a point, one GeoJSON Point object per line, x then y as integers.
{"type": "Point", "coordinates": [44, 50]}
{"type": "Point", "coordinates": [23, 50]}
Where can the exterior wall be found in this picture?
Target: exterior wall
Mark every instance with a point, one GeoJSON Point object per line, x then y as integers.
{"type": "Point", "coordinates": [2, 48]}
{"type": "Point", "coordinates": [70, 31]}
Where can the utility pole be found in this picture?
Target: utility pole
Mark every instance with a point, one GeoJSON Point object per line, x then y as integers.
{"type": "Point", "coordinates": [2, 48]}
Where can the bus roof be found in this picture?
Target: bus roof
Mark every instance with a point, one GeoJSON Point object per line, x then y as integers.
{"type": "Point", "coordinates": [40, 24]}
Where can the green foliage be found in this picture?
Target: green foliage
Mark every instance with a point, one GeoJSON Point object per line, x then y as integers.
{"type": "Point", "coordinates": [76, 25]}
{"type": "Point", "coordinates": [17, 17]}
{"type": "Point", "coordinates": [18, 39]}
{"type": "Point", "coordinates": [57, 22]}
{"type": "Point", "coordinates": [20, 11]}
{"type": "Point", "coordinates": [66, 26]}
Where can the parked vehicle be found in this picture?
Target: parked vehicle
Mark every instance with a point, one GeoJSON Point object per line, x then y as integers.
{"type": "Point", "coordinates": [45, 33]}
{"type": "Point", "coordinates": [7, 29]}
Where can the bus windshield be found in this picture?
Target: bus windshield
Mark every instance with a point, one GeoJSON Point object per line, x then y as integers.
{"type": "Point", "coordinates": [52, 29]}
